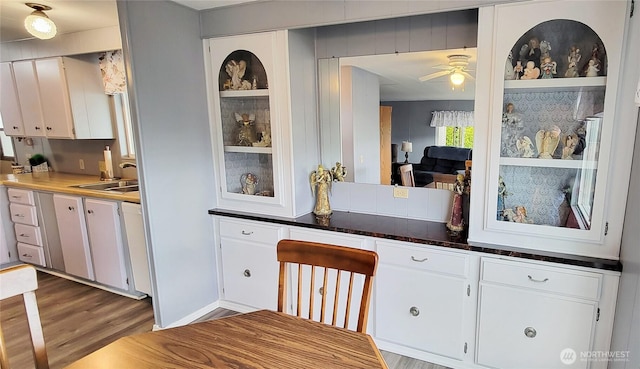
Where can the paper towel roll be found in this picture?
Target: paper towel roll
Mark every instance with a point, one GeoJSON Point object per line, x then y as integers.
{"type": "Point", "coordinates": [108, 164]}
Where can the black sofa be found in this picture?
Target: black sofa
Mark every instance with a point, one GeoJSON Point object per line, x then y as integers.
{"type": "Point", "coordinates": [440, 159]}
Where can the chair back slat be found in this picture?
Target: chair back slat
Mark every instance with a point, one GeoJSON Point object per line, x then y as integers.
{"type": "Point", "coordinates": [23, 280]}
{"type": "Point", "coordinates": [332, 259]}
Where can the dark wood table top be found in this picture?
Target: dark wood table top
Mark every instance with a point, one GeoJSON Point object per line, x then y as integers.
{"type": "Point", "coordinates": [262, 339]}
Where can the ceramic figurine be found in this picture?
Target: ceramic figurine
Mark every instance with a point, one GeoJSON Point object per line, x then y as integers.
{"type": "Point", "coordinates": [338, 172]}
{"type": "Point", "coordinates": [549, 68]}
{"type": "Point", "coordinates": [265, 140]}
{"type": "Point", "coordinates": [545, 47]}
{"type": "Point", "coordinates": [534, 52]}
{"type": "Point", "coordinates": [573, 59]}
{"type": "Point", "coordinates": [525, 147]}
{"type": "Point", "coordinates": [456, 223]}
{"type": "Point", "coordinates": [524, 54]}
{"type": "Point", "coordinates": [531, 71]}
{"type": "Point", "coordinates": [249, 183]}
{"type": "Point", "coordinates": [508, 68]}
{"type": "Point", "coordinates": [512, 127]}
{"type": "Point", "coordinates": [594, 64]}
{"type": "Point", "coordinates": [246, 131]}
{"type": "Point", "coordinates": [547, 142]}
{"type": "Point", "coordinates": [235, 70]}
{"type": "Point", "coordinates": [320, 181]}
{"type": "Point", "coordinates": [517, 215]}
{"type": "Point", "coordinates": [518, 70]}
{"type": "Point", "coordinates": [570, 142]}
{"type": "Point", "coordinates": [592, 69]}
{"type": "Point", "coordinates": [502, 193]}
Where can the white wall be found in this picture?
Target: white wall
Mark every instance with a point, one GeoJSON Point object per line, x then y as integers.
{"type": "Point", "coordinates": [165, 65]}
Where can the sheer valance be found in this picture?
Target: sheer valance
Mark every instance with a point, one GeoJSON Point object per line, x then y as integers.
{"type": "Point", "coordinates": [450, 118]}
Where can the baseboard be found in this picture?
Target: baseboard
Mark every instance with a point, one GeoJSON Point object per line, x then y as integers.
{"type": "Point", "coordinates": [425, 356]}
{"type": "Point", "coordinates": [191, 317]}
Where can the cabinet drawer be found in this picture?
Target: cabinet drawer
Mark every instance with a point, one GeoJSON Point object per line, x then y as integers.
{"type": "Point", "coordinates": [23, 214]}
{"type": "Point", "coordinates": [423, 258]}
{"type": "Point", "coordinates": [28, 234]}
{"type": "Point", "coordinates": [543, 278]}
{"type": "Point", "coordinates": [31, 254]}
{"type": "Point", "coordinates": [250, 231]}
{"type": "Point", "coordinates": [326, 237]}
{"type": "Point", "coordinates": [18, 196]}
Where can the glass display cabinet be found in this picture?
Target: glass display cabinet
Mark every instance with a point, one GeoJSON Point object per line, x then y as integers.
{"type": "Point", "coordinates": [552, 125]}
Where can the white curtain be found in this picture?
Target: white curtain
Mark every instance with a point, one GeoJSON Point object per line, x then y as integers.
{"type": "Point", "coordinates": [450, 118]}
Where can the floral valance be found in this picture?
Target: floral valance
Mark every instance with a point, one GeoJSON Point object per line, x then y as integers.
{"type": "Point", "coordinates": [113, 74]}
{"type": "Point", "coordinates": [450, 118]}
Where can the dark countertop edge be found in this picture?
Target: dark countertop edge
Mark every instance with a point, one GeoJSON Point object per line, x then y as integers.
{"type": "Point", "coordinates": [303, 221]}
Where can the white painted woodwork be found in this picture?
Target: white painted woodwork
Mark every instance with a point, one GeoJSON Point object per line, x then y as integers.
{"type": "Point", "coordinates": [499, 29]}
{"type": "Point", "coordinates": [19, 196]}
{"type": "Point", "coordinates": [54, 97]}
{"type": "Point", "coordinates": [250, 231]}
{"type": "Point", "coordinates": [31, 254]}
{"type": "Point", "coordinates": [73, 236]}
{"type": "Point", "coordinates": [24, 214]}
{"type": "Point", "coordinates": [105, 238]}
{"type": "Point", "coordinates": [138, 256]}
{"type": "Point", "coordinates": [9, 103]}
{"type": "Point", "coordinates": [28, 234]}
{"type": "Point", "coordinates": [29, 97]}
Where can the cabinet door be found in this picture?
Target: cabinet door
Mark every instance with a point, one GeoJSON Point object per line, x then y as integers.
{"type": "Point", "coordinates": [420, 310]}
{"type": "Point", "coordinates": [250, 273]}
{"type": "Point", "coordinates": [134, 228]}
{"type": "Point", "coordinates": [54, 95]}
{"type": "Point", "coordinates": [73, 236]}
{"type": "Point", "coordinates": [105, 238]}
{"type": "Point", "coordinates": [9, 103]}
{"type": "Point", "coordinates": [519, 328]}
{"type": "Point", "coordinates": [29, 97]}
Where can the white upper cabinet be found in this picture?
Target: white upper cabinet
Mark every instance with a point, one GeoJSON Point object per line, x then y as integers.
{"type": "Point", "coordinates": [249, 88]}
{"type": "Point", "coordinates": [551, 129]}
{"type": "Point", "coordinates": [9, 103]}
{"type": "Point", "coordinates": [63, 97]}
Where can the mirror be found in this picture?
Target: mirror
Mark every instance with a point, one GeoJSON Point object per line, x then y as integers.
{"type": "Point", "coordinates": [357, 132]}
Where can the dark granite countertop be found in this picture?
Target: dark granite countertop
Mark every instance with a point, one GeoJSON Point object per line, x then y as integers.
{"type": "Point", "coordinates": [416, 231]}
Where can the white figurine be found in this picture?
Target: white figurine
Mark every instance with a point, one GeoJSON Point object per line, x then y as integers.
{"type": "Point", "coordinates": [531, 71]}
{"type": "Point", "coordinates": [508, 68]}
{"type": "Point", "coordinates": [573, 59]}
{"type": "Point", "coordinates": [592, 69]}
{"type": "Point", "coordinates": [525, 148]}
{"type": "Point", "coordinates": [236, 70]}
{"type": "Point", "coordinates": [547, 142]}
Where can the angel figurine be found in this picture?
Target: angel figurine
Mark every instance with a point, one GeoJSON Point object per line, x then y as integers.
{"type": "Point", "coordinates": [570, 142]}
{"type": "Point", "coordinates": [249, 182]}
{"type": "Point", "coordinates": [508, 67]}
{"type": "Point", "coordinates": [531, 71]}
{"type": "Point", "coordinates": [524, 146]}
{"type": "Point", "coordinates": [236, 70]}
{"type": "Point", "coordinates": [545, 47]}
{"type": "Point", "coordinates": [320, 181]}
{"type": "Point", "coordinates": [592, 69]}
{"type": "Point", "coordinates": [339, 172]}
{"type": "Point", "coordinates": [518, 215]}
{"type": "Point", "coordinates": [547, 142]}
{"type": "Point", "coordinates": [549, 68]}
{"type": "Point", "coordinates": [246, 132]}
{"type": "Point", "coordinates": [573, 59]}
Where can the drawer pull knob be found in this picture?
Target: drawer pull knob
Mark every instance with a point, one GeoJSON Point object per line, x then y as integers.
{"type": "Point", "coordinates": [537, 280]}
{"type": "Point", "coordinates": [247, 273]}
{"type": "Point", "coordinates": [414, 311]}
{"type": "Point", "coordinates": [71, 208]}
{"type": "Point", "coordinates": [90, 211]}
{"type": "Point", "coordinates": [247, 233]}
{"type": "Point", "coordinates": [530, 332]}
{"type": "Point", "coordinates": [419, 260]}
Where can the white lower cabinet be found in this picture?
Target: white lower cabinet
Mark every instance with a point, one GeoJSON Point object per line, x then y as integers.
{"type": "Point", "coordinates": [249, 264]}
{"type": "Point", "coordinates": [74, 240]}
{"type": "Point", "coordinates": [535, 316]}
{"type": "Point", "coordinates": [139, 258]}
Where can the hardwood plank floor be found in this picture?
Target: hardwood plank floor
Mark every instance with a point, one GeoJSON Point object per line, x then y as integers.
{"type": "Point", "coordinates": [78, 319]}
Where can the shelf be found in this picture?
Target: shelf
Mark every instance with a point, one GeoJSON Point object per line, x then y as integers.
{"type": "Point", "coordinates": [556, 84]}
{"type": "Point", "coordinates": [245, 93]}
{"type": "Point", "coordinates": [549, 163]}
{"type": "Point", "coordinates": [249, 149]}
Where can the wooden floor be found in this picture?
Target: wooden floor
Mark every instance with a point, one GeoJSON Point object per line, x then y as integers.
{"type": "Point", "coordinates": [78, 319]}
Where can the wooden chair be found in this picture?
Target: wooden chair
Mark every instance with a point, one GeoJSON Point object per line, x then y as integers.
{"type": "Point", "coordinates": [406, 175]}
{"type": "Point", "coordinates": [342, 259]}
{"type": "Point", "coordinates": [22, 280]}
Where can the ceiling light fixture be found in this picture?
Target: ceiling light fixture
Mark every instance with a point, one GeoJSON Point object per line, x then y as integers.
{"type": "Point", "coordinates": [38, 24]}
{"type": "Point", "coordinates": [457, 78]}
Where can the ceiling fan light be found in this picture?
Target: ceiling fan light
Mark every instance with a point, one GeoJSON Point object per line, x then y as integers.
{"type": "Point", "coordinates": [456, 78]}
{"type": "Point", "coordinates": [40, 26]}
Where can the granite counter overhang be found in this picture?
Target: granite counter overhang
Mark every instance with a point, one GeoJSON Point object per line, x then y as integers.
{"type": "Point", "coordinates": [416, 231]}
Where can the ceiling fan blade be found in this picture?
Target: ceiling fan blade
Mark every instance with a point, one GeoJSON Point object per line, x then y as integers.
{"type": "Point", "coordinates": [467, 75]}
{"type": "Point", "coordinates": [442, 66]}
{"type": "Point", "coordinates": [434, 75]}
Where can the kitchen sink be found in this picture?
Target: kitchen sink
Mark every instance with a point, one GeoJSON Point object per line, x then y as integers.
{"type": "Point", "coordinates": [118, 186]}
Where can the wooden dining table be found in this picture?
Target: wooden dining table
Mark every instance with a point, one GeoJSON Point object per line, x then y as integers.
{"type": "Point", "coordinates": [262, 339]}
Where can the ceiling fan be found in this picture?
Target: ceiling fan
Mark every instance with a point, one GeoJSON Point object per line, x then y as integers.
{"type": "Point", "coordinates": [456, 70]}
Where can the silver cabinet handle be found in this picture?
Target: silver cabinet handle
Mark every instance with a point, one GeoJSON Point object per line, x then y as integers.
{"type": "Point", "coordinates": [19, 215]}
{"type": "Point", "coordinates": [247, 273]}
{"type": "Point", "coordinates": [24, 235]}
{"type": "Point", "coordinates": [530, 332]}
{"type": "Point", "coordinates": [16, 197]}
{"type": "Point", "coordinates": [71, 208]}
{"type": "Point", "coordinates": [27, 255]}
{"type": "Point", "coordinates": [247, 233]}
{"type": "Point", "coordinates": [537, 280]}
{"type": "Point", "coordinates": [414, 311]}
{"type": "Point", "coordinates": [418, 260]}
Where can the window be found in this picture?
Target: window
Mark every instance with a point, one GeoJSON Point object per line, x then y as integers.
{"type": "Point", "coordinates": [454, 136]}
{"type": "Point", "coordinates": [7, 151]}
{"type": "Point", "coordinates": [123, 121]}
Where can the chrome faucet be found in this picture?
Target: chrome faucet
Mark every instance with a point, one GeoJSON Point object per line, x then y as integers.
{"type": "Point", "coordinates": [128, 164]}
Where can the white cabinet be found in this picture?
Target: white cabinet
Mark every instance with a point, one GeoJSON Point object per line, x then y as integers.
{"type": "Point", "coordinates": [24, 215]}
{"type": "Point", "coordinates": [73, 236]}
{"type": "Point", "coordinates": [253, 134]}
{"type": "Point", "coordinates": [105, 239]}
{"type": "Point", "coordinates": [9, 103]}
{"type": "Point", "coordinates": [535, 316]}
{"type": "Point", "coordinates": [249, 264]}
{"type": "Point", "coordinates": [552, 142]}
{"type": "Point", "coordinates": [63, 97]}
{"type": "Point", "coordinates": [423, 299]}
{"type": "Point", "coordinates": [139, 258]}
